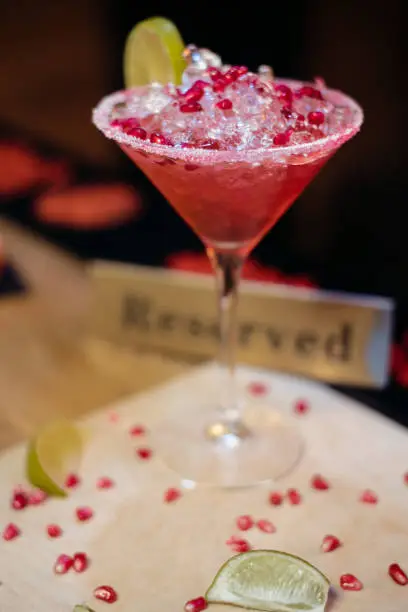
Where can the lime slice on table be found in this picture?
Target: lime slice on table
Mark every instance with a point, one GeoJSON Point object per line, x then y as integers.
{"type": "Point", "coordinates": [52, 455]}
{"type": "Point", "coordinates": [153, 52]}
{"type": "Point", "coordinates": [270, 580]}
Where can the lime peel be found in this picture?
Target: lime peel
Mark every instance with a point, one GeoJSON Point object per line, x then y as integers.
{"type": "Point", "coordinates": [271, 581]}
{"type": "Point", "coordinates": [54, 452]}
{"type": "Point", "coordinates": [153, 53]}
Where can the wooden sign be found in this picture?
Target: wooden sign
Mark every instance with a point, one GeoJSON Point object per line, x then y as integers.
{"type": "Point", "coordinates": [334, 337]}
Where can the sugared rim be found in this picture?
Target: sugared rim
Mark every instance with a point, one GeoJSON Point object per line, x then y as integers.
{"type": "Point", "coordinates": [102, 113]}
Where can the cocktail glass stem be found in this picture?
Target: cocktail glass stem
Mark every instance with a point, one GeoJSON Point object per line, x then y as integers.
{"type": "Point", "coordinates": [227, 267]}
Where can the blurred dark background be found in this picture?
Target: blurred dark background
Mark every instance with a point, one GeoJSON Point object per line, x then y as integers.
{"type": "Point", "coordinates": [346, 232]}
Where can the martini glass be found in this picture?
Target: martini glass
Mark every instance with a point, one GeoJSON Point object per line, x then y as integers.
{"type": "Point", "coordinates": [230, 198]}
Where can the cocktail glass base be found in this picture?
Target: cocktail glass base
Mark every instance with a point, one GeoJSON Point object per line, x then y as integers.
{"type": "Point", "coordinates": [205, 449]}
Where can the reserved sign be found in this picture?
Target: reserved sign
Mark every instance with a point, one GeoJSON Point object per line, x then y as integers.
{"type": "Point", "coordinates": [334, 337]}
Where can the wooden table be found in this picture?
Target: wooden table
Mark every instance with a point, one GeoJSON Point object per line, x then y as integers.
{"type": "Point", "coordinates": [48, 366]}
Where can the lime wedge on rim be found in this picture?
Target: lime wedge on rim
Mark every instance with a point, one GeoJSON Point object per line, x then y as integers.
{"type": "Point", "coordinates": [270, 580]}
{"type": "Point", "coordinates": [153, 53]}
{"type": "Point", "coordinates": [55, 452]}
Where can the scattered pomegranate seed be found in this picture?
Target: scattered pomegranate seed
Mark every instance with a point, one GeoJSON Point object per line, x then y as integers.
{"type": "Point", "coordinates": [130, 124]}
{"type": "Point", "coordinates": [106, 593]}
{"type": "Point", "coordinates": [348, 582]}
{"type": "Point", "coordinates": [144, 453]}
{"type": "Point", "coordinates": [238, 545]}
{"type": "Point", "coordinates": [157, 138]}
{"type": "Point", "coordinates": [369, 497]}
{"type": "Point", "coordinates": [37, 497]}
{"type": "Point", "coordinates": [191, 167]}
{"type": "Point", "coordinates": [294, 497]}
{"type": "Point", "coordinates": [199, 84]}
{"type": "Point", "coordinates": [319, 483]}
{"type": "Point", "coordinates": [19, 500]}
{"type": "Point", "coordinates": [84, 513]}
{"type": "Point", "coordinates": [397, 574]}
{"type": "Point", "coordinates": [80, 562]}
{"type": "Point", "coordinates": [330, 543]}
{"type": "Point", "coordinates": [104, 482]}
{"type": "Point", "coordinates": [224, 104]}
{"type": "Point", "coordinates": [240, 70]}
{"type": "Point", "coordinates": [257, 388]}
{"type": "Point", "coordinates": [275, 498]}
{"type": "Point", "coordinates": [10, 532]}
{"type": "Point", "coordinates": [266, 526]}
{"type": "Point", "coordinates": [63, 564]}
{"type": "Point", "coordinates": [137, 430]}
{"type": "Point", "coordinates": [138, 132]}
{"type": "Point", "coordinates": [210, 143]}
{"type": "Point", "coordinates": [172, 495]}
{"type": "Point", "coordinates": [196, 605]}
{"type": "Point", "coordinates": [315, 118]}
{"type": "Point", "coordinates": [287, 112]}
{"type": "Point", "coordinates": [245, 522]}
{"type": "Point", "coordinates": [72, 481]}
{"type": "Point", "coordinates": [406, 478]}
{"type": "Point", "coordinates": [301, 406]}
{"type": "Point", "coordinates": [54, 531]}
{"type": "Point", "coordinates": [191, 107]}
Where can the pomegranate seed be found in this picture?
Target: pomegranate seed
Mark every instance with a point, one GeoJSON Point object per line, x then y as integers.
{"type": "Point", "coordinates": [10, 532]}
{"type": "Point", "coordinates": [214, 73]}
{"type": "Point", "coordinates": [191, 107]}
{"type": "Point", "coordinates": [137, 430]}
{"type": "Point", "coordinates": [199, 84]}
{"type": "Point", "coordinates": [301, 406]}
{"type": "Point", "coordinates": [188, 145]}
{"type": "Point", "coordinates": [37, 497]}
{"type": "Point", "coordinates": [397, 574]}
{"type": "Point", "coordinates": [240, 70]}
{"type": "Point", "coordinates": [294, 497]}
{"type": "Point", "coordinates": [281, 139]}
{"type": "Point", "coordinates": [116, 123]}
{"type": "Point", "coordinates": [210, 143]}
{"type": "Point", "coordinates": [63, 564]}
{"type": "Point", "coordinates": [196, 605]}
{"type": "Point", "coordinates": [191, 167]}
{"type": "Point", "coordinates": [369, 497]}
{"type": "Point", "coordinates": [84, 513]}
{"type": "Point", "coordinates": [80, 562]}
{"type": "Point", "coordinates": [106, 593]}
{"type": "Point", "coordinates": [194, 94]}
{"type": "Point", "coordinates": [266, 526]}
{"type": "Point", "coordinates": [287, 112]}
{"type": "Point", "coordinates": [157, 138]}
{"type": "Point", "coordinates": [319, 483]}
{"type": "Point", "coordinates": [348, 582]}
{"type": "Point", "coordinates": [315, 118]}
{"type": "Point", "coordinates": [310, 92]}
{"type": "Point", "coordinates": [144, 453]}
{"type": "Point", "coordinates": [406, 478]}
{"type": "Point", "coordinates": [232, 540]}
{"type": "Point", "coordinates": [138, 132]}
{"type": "Point", "coordinates": [219, 86]}
{"type": "Point", "coordinates": [231, 75]}
{"type": "Point", "coordinates": [54, 531]}
{"type": "Point", "coordinates": [285, 93]}
{"type": "Point", "coordinates": [104, 482]}
{"type": "Point", "coordinates": [257, 388]}
{"type": "Point", "coordinates": [275, 498]}
{"type": "Point", "coordinates": [172, 495]}
{"type": "Point", "coordinates": [300, 118]}
{"type": "Point", "coordinates": [72, 481]}
{"type": "Point", "coordinates": [245, 522]}
{"type": "Point", "coordinates": [330, 542]}
{"type": "Point", "coordinates": [130, 124]}
{"type": "Point", "coordinates": [224, 104]}
{"type": "Point", "coordinates": [19, 500]}
{"type": "Point", "coordinates": [238, 545]}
